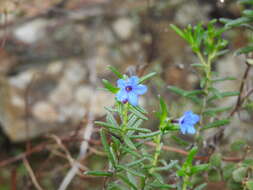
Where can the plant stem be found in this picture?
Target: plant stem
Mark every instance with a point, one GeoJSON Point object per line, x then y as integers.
{"type": "Point", "coordinates": [185, 182]}
{"type": "Point", "coordinates": [125, 117]}
{"type": "Point", "coordinates": [157, 151]}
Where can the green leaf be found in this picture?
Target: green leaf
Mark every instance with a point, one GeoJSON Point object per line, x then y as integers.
{"type": "Point", "coordinates": [223, 79]}
{"type": "Point", "coordinates": [198, 65]}
{"type": "Point", "coordinates": [164, 110]}
{"type": "Point", "coordinates": [245, 50]}
{"type": "Point", "coordinates": [239, 174]}
{"type": "Point", "coordinates": [134, 172]}
{"type": "Point", "coordinates": [217, 123]}
{"type": "Point", "coordinates": [136, 162]}
{"type": "Point", "coordinates": [136, 112]}
{"type": "Point", "coordinates": [223, 95]}
{"type": "Point", "coordinates": [110, 86]}
{"type": "Point", "coordinates": [128, 142]}
{"type": "Point", "coordinates": [146, 77]}
{"type": "Point", "coordinates": [199, 168]}
{"type": "Point", "coordinates": [115, 71]}
{"type": "Point", "coordinates": [99, 173]}
{"type": "Point", "coordinates": [178, 31]}
{"type": "Point", "coordinates": [250, 2]}
{"type": "Point", "coordinates": [228, 170]}
{"type": "Point", "coordinates": [214, 111]}
{"type": "Point", "coordinates": [107, 125]}
{"type": "Point", "coordinates": [177, 90]}
{"type": "Point", "coordinates": [191, 156]}
{"type": "Point", "coordinates": [107, 148]}
{"type": "Point", "coordinates": [238, 145]}
{"type": "Point", "coordinates": [143, 136]}
{"type": "Point", "coordinates": [200, 187]}
{"type": "Point", "coordinates": [215, 160]}
{"type": "Point", "coordinates": [214, 175]}
{"type": "Point", "coordinates": [127, 181]}
{"type": "Point", "coordinates": [143, 130]}
{"type": "Point", "coordinates": [249, 184]}
{"type": "Point", "coordinates": [172, 164]}
{"type": "Point", "coordinates": [237, 22]}
{"type": "Point", "coordinates": [162, 186]}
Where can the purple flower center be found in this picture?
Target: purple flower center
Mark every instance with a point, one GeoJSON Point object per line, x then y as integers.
{"type": "Point", "coordinates": [125, 101]}
{"type": "Point", "coordinates": [129, 88]}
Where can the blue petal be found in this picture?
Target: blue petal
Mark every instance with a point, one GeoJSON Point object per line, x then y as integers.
{"type": "Point", "coordinates": [140, 89]}
{"type": "Point", "coordinates": [134, 80]}
{"type": "Point", "coordinates": [121, 83]}
{"type": "Point", "coordinates": [183, 129]}
{"type": "Point", "coordinates": [121, 95]}
{"type": "Point", "coordinates": [191, 130]}
{"type": "Point", "coordinates": [133, 98]}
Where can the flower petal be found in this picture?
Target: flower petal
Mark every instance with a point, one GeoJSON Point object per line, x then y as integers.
{"type": "Point", "coordinates": [121, 83]}
{"type": "Point", "coordinates": [134, 80]}
{"type": "Point", "coordinates": [133, 98]}
{"type": "Point", "coordinates": [191, 130]}
{"type": "Point", "coordinates": [183, 129]}
{"type": "Point", "coordinates": [140, 89]}
{"type": "Point", "coordinates": [121, 95]}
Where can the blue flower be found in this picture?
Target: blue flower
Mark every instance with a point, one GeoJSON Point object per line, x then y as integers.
{"type": "Point", "coordinates": [130, 89]}
{"type": "Point", "coordinates": [187, 122]}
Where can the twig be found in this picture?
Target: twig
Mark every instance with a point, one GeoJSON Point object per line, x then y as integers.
{"type": "Point", "coordinates": [183, 152]}
{"type": "Point", "coordinates": [86, 134]}
{"type": "Point", "coordinates": [30, 171]}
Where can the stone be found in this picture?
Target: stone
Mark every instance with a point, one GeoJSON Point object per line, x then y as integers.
{"type": "Point", "coordinates": [123, 27]}
{"type": "Point", "coordinates": [32, 31]}
{"type": "Point", "coordinates": [44, 112]}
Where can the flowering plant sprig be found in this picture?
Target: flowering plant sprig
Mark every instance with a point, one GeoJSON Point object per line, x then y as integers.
{"type": "Point", "coordinates": [133, 165]}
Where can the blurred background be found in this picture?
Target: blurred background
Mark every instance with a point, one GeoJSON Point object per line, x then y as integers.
{"type": "Point", "coordinates": [53, 56]}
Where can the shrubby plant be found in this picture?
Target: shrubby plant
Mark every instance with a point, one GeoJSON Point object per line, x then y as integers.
{"type": "Point", "coordinates": [134, 153]}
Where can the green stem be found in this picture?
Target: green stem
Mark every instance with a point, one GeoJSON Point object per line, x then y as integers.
{"type": "Point", "coordinates": [185, 182]}
{"type": "Point", "coordinates": [125, 117]}
{"type": "Point", "coordinates": [157, 151]}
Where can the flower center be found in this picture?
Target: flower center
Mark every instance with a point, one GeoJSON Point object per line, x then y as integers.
{"type": "Point", "coordinates": [129, 88]}
{"type": "Point", "coordinates": [125, 101]}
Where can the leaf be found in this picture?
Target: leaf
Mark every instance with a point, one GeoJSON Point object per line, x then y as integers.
{"type": "Point", "coordinates": [143, 130]}
{"type": "Point", "coordinates": [249, 184]}
{"type": "Point", "coordinates": [115, 71]}
{"type": "Point", "coordinates": [228, 170]}
{"type": "Point", "coordinates": [214, 175]}
{"type": "Point", "coordinates": [136, 162]}
{"type": "Point", "coordinates": [146, 77]}
{"type": "Point", "coordinates": [176, 90]}
{"type": "Point", "coordinates": [110, 86]}
{"type": "Point", "coordinates": [107, 148]}
{"type": "Point", "coordinates": [143, 136]}
{"type": "Point", "coordinates": [137, 113]}
{"type": "Point", "coordinates": [214, 111]}
{"type": "Point", "coordinates": [99, 173]}
{"type": "Point", "coordinates": [162, 186]}
{"type": "Point", "coordinates": [239, 174]}
{"type": "Point", "coordinates": [238, 145]}
{"type": "Point", "coordinates": [217, 123]}
{"type": "Point", "coordinates": [178, 31]}
{"type": "Point", "coordinates": [128, 142]}
{"type": "Point", "coordinates": [198, 65]}
{"type": "Point", "coordinates": [127, 181]}
{"type": "Point", "coordinates": [223, 79]}
{"type": "Point", "coordinates": [172, 164]}
{"type": "Point", "coordinates": [223, 95]}
{"type": "Point", "coordinates": [134, 172]}
{"type": "Point", "coordinates": [200, 187]}
{"type": "Point", "coordinates": [107, 125]}
{"type": "Point", "coordinates": [164, 110]}
{"type": "Point", "coordinates": [237, 22]}
{"type": "Point", "coordinates": [245, 50]}
{"type": "Point", "coordinates": [215, 160]}
{"type": "Point", "coordinates": [199, 168]}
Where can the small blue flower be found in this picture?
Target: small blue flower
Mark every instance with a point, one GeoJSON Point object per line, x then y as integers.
{"type": "Point", "coordinates": [187, 122]}
{"type": "Point", "coordinates": [130, 89]}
